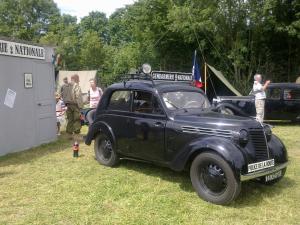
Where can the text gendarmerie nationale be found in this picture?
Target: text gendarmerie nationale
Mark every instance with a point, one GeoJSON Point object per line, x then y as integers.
{"type": "Point", "coordinates": [16, 49]}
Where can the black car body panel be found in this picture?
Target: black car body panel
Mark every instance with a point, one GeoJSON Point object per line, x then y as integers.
{"type": "Point", "coordinates": [172, 138]}
{"type": "Point", "coordinates": [282, 102]}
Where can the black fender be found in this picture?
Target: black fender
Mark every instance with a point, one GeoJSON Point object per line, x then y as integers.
{"type": "Point", "coordinates": [99, 127]}
{"type": "Point", "coordinates": [84, 113]}
{"type": "Point", "coordinates": [277, 150]}
{"type": "Point", "coordinates": [230, 152]}
{"type": "Point", "coordinates": [235, 109]}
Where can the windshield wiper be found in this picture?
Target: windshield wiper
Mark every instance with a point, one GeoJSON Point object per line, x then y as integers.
{"type": "Point", "coordinates": [175, 106]}
{"type": "Point", "coordinates": [172, 104]}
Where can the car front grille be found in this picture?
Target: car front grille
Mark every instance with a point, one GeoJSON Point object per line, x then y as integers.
{"type": "Point", "coordinates": [207, 131]}
{"type": "Point", "coordinates": [259, 142]}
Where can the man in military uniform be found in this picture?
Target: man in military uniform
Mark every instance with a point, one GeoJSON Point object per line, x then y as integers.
{"type": "Point", "coordinates": [74, 102]}
{"type": "Point", "coordinates": [64, 88]}
{"type": "Point", "coordinates": [260, 96]}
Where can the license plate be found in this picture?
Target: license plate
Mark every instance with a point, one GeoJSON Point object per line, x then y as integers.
{"type": "Point", "coordinates": [260, 165]}
{"type": "Point", "coordinates": [273, 176]}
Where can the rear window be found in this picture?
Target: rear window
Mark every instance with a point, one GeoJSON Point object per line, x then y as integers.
{"type": "Point", "coordinates": [120, 100]}
{"type": "Point", "coordinates": [291, 94]}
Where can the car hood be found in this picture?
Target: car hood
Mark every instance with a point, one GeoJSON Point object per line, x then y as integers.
{"type": "Point", "coordinates": [216, 120]}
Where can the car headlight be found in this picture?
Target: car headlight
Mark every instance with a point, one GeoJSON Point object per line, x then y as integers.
{"type": "Point", "coordinates": [268, 132]}
{"type": "Point", "coordinates": [146, 68]}
{"type": "Point", "coordinates": [242, 137]}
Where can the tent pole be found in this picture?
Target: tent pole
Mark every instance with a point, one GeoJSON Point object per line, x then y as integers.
{"type": "Point", "coordinates": [205, 77]}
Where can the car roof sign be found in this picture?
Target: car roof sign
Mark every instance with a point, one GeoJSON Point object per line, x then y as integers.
{"type": "Point", "coordinates": [171, 76]}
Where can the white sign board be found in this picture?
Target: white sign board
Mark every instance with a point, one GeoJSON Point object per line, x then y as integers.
{"type": "Point", "coordinates": [171, 76]}
{"type": "Point", "coordinates": [21, 50]}
{"type": "Point", "coordinates": [10, 98]}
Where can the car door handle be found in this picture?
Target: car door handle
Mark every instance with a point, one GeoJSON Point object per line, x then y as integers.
{"type": "Point", "coordinates": [158, 124]}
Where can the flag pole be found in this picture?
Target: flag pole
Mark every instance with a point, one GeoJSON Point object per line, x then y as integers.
{"type": "Point", "coordinates": [205, 76]}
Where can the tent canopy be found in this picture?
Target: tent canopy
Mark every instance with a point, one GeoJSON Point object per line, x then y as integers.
{"type": "Point", "coordinates": [218, 85]}
{"type": "Point", "coordinates": [84, 78]}
{"type": "Point", "coordinates": [224, 80]}
{"type": "Point", "coordinates": [298, 80]}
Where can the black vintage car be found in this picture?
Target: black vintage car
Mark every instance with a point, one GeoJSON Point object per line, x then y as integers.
{"type": "Point", "coordinates": [282, 103]}
{"type": "Point", "coordinates": [173, 125]}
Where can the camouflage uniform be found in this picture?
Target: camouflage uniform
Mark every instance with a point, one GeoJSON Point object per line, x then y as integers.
{"type": "Point", "coordinates": [260, 110]}
{"type": "Point", "coordinates": [260, 97]}
{"type": "Point", "coordinates": [64, 91]}
{"type": "Point", "coordinates": [74, 103]}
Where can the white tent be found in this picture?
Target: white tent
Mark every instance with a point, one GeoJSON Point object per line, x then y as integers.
{"type": "Point", "coordinates": [84, 78]}
{"type": "Point", "coordinates": [298, 80]}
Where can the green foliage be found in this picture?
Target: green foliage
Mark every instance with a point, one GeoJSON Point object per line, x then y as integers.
{"type": "Point", "coordinates": [238, 37]}
{"type": "Point", "coordinates": [96, 22]}
{"type": "Point", "coordinates": [27, 19]}
{"type": "Point", "coordinates": [92, 54]}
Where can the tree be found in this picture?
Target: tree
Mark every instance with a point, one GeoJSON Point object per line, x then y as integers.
{"type": "Point", "coordinates": [64, 35]}
{"type": "Point", "coordinates": [97, 22]}
{"type": "Point", "coordinates": [27, 19]}
{"type": "Point", "coordinates": [92, 53]}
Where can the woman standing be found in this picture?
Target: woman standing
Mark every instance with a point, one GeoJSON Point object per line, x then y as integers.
{"type": "Point", "coordinates": [94, 96]}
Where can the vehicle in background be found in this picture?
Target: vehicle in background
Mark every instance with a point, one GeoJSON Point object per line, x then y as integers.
{"type": "Point", "coordinates": [282, 103]}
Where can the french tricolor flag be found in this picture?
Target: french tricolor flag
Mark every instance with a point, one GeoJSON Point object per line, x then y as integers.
{"type": "Point", "coordinates": [196, 73]}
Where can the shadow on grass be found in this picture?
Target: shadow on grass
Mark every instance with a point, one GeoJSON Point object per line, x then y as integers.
{"type": "Point", "coordinates": [5, 174]}
{"type": "Point", "coordinates": [33, 154]}
{"type": "Point", "coordinates": [182, 178]}
{"type": "Point", "coordinates": [252, 193]}
{"type": "Point", "coordinates": [283, 123]}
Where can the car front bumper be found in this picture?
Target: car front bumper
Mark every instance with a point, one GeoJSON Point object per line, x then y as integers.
{"type": "Point", "coordinates": [263, 172]}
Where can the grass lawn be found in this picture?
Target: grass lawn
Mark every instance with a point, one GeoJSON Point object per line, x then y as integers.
{"type": "Point", "coordinates": [46, 185]}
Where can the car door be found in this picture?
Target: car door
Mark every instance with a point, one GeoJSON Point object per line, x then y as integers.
{"type": "Point", "coordinates": [273, 107]}
{"type": "Point", "coordinates": [291, 103]}
{"type": "Point", "coordinates": [147, 123]}
{"type": "Point", "coordinates": [117, 117]}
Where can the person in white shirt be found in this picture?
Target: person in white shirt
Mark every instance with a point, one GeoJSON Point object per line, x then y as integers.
{"type": "Point", "coordinates": [94, 95]}
{"type": "Point", "coordinates": [260, 97]}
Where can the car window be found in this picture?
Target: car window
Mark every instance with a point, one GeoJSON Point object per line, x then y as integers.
{"type": "Point", "coordinates": [120, 100]}
{"type": "Point", "coordinates": [145, 102]}
{"type": "Point", "coordinates": [273, 93]}
{"type": "Point", "coordinates": [291, 94]}
{"type": "Point", "coordinates": [185, 99]}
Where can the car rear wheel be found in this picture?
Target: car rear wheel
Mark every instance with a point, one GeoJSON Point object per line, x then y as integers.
{"type": "Point", "coordinates": [105, 152]}
{"type": "Point", "coordinates": [213, 179]}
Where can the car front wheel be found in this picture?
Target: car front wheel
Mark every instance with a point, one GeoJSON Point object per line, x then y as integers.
{"type": "Point", "coordinates": [213, 179]}
{"type": "Point", "coordinates": [105, 152]}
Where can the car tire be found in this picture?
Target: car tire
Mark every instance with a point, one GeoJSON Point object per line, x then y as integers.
{"type": "Point", "coordinates": [213, 179]}
{"type": "Point", "coordinates": [105, 152]}
{"type": "Point", "coordinates": [262, 179]}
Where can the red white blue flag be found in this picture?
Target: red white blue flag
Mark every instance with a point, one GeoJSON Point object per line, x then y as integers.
{"type": "Point", "coordinates": [197, 73]}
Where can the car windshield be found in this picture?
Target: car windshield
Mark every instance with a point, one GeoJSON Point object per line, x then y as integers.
{"type": "Point", "coordinates": [185, 100]}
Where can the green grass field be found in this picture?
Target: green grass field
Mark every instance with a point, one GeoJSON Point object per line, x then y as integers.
{"type": "Point", "coordinates": [46, 185]}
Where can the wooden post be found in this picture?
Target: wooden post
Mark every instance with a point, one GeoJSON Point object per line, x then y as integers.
{"type": "Point", "coordinates": [205, 77]}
